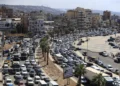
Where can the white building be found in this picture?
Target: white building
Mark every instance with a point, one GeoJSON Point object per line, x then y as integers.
{"type": "Point", "coordinates": [8, 23]}
{"type": "Point", "coordinates": [35, 25]}
{"type": "Point", "coordinates": [48, 25]}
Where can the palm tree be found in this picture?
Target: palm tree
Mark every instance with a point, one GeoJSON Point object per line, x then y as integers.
{"type": "Point", "coordinates": [80, 70]}
{"type": "Point", "coordinates": [99, 80]}
{"type": "Point", "coordinates": [47, 51]}
{"type": "Point", "coordinates": [42, 45]}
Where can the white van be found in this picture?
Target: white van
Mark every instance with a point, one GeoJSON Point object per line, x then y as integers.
{"type": "Point", "coordinates": [53, 83]}
{"type": "Point", "coordinates": [42, 83]}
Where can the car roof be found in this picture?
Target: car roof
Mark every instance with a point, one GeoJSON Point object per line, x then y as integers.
{"type": "Point", "coordinates": [42, 82]}
{"type": "Point", "coordinates": [54, 83]}
{"type": "Point", "coordinates": [37, 76]}
{"type": "Point", "coordinates": [29, 78]}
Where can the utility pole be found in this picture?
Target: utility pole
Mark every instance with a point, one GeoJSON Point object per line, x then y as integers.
{"type": "Point", "coordinates": [2, 44]}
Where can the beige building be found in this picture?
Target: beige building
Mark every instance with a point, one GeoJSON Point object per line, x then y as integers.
{"type": "Point", "coordinates": [96, 18]}
{"type": "Point", "coordinates": [71, 14]}
{"type": "Point", "coordinates": [81, 20]}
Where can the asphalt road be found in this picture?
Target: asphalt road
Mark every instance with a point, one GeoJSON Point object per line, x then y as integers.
{"type": "Point", "coordinates": [105, 60]}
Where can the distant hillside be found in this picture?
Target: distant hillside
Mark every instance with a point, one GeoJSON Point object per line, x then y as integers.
{"type": "Point", "coordinates": [28, 8]}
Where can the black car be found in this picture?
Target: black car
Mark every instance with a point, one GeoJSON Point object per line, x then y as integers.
{"type": "Point", "coordinates": [5, 71]}
{"type": "Point", "coordinates": [38, 71]}
{"type": "Point", "coordinates": [32, 73]}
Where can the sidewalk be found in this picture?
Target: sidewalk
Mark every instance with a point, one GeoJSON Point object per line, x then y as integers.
{"type": "Point", "coordinates": [54, 71]}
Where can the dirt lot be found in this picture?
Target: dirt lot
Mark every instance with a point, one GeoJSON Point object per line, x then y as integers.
{"type": "Point", "coordinates": [54, 73]}
{"type": "Point", "coordinates": [15, 35]}
{"type": "Point", "coordinates": [8, 46]}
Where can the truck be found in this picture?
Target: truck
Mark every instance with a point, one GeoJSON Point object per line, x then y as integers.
{"type": "Point", "coordinates": [53, 83]}
{"type": "Point", "coordinates": [90, 73]}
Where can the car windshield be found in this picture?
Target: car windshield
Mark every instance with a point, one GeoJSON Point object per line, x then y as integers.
{"type": "Point", "coordinates": [37, 78]}
{"type": "Point", "coordinates": [8, 81]}
{"type": "Point", "coordinates": [24, 71]}
{"type": "Point", "coordinates": [32, 71]}
{"type": "Point", "coordinates": [30, 80]}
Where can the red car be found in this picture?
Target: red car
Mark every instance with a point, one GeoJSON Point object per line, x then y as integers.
{"type": "Point", "coordinates": [21, 83]}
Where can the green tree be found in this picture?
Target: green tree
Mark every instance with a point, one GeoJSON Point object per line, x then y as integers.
{"type": "Point", "coordinates": [99, 80]}
{"type": "Point", "coordinates": [45, 47]}
{"type": "Point", "coordinates": [80, 70]}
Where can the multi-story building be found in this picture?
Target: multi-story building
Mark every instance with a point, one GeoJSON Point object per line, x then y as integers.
{"type": "Point", "coordinates": [106, 15]}
{"type": "Point", "coordinates": [81, 20]}
{"type": "Point", "coordinates": [36, 21]}
{"type": "Point", "coordinates": [18, 14]}
{"type": "Point", "coordinates": [48, 25]}
{"type": "Point", "coordinates": [88, 18]}
{"type": "Point", "coordinates": [6, 12]}
{"type": "Point", "coordinates": [71, 14]}
{"type": "Point", "coordinates": [96, 18]}
{"type": "Point", "coordinates": [9, 23]}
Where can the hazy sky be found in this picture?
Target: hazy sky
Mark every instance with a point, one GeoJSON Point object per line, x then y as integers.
{"type": "Point", "coordinates": [113, 5]}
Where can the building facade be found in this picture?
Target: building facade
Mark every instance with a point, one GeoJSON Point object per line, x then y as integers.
{"type": "Point", "coordinates": [81, 20]}
{"type": "Point", "coordinates": [6, 12]}
{"type": "Point", "coordinates": [72, 14]}
{"type": "Point", "coordinates": [96, 19]}
{"type": "Point", "coordinates": [88, 18]}
{"type": "Point", "coordinates": [9, 23]}
{"type": "Point", "coordinates": [106, 15]}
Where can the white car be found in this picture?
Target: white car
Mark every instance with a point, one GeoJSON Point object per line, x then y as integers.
{"type": "Point", "coordinates": [22, 66]}
{"type": "Point", "coordinates": [24, 73]}
{"type": "Point", "coordinates": [30, 81]}
{"type": "Point", "coordinates": [110, 68]}
{"type": "Point", "coordinates": [37, 78]}
{"type": "Point", "coordinates": [8, 82]}
{"type": "Point", "coordinates": [83, 80]}
{"type": "Point", "coordinates": [27, 62]}
{"type": "Point", "coordinates": [17, 74]}
{"type": "Point", "coordinates": [5, 66]}
{"type": "Point", "coordinates": [95, 67]}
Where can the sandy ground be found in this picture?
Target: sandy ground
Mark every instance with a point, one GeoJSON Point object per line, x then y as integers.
{"type": "Point", "coordinates": [15, 34]}
{"type": "Point", "coordinates": [8, 46]}
{"type": "Point", "coordinates": [99, 44]}
{"type": "Point", "coordinates": [53, 72]}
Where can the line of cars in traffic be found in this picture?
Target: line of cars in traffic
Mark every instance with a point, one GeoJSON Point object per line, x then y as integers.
{"type": "Point", "coordinates": [22, 69]}
{"type": "Point", "coordinates": [62, 51]}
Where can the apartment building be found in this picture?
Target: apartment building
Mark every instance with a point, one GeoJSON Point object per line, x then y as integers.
{"type": "Point", "coordinates": [81, 20]}
{"type": "Point", "coordinates": [36, 21]}
{"type": "Point", "coordinates": [35, 25]}
{"type": "Point", "coordinates": [106, 15]}
{"type": "Point", "coordinates": [71, 14]}
{"type": "Point", "coordinates": [96, 19]}
{"type": "Point", "coordinates": [9, 23]}
{"type": "Point", "coordinates": [88, 13]}
{"type": "Point", "coordinates": [48, 25]}
{"type": "Point", "coordinates": [6, 12]}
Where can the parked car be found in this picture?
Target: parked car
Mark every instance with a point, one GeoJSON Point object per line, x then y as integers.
{"type": "Point", "coordinates": [30, 81]}
{"type": "Point", "coordinates": [17, 74]}
{"type": "Point", "coordinates": [37, 78]}
{"type": "Point", "coordinates": [32, 73]}
{"type": "Point", "coordinates": [8, 82]}
{"type": "Point", "coordinates": [110, 68]}
{"type": "Point", "coordinates": [21, 83]}
{"type": "Point", "coordinates": [104, 53]}
{"type": "Point", "coordinates": [24, 73]}
{"type": "Point", "coordinates": [18, 79]}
